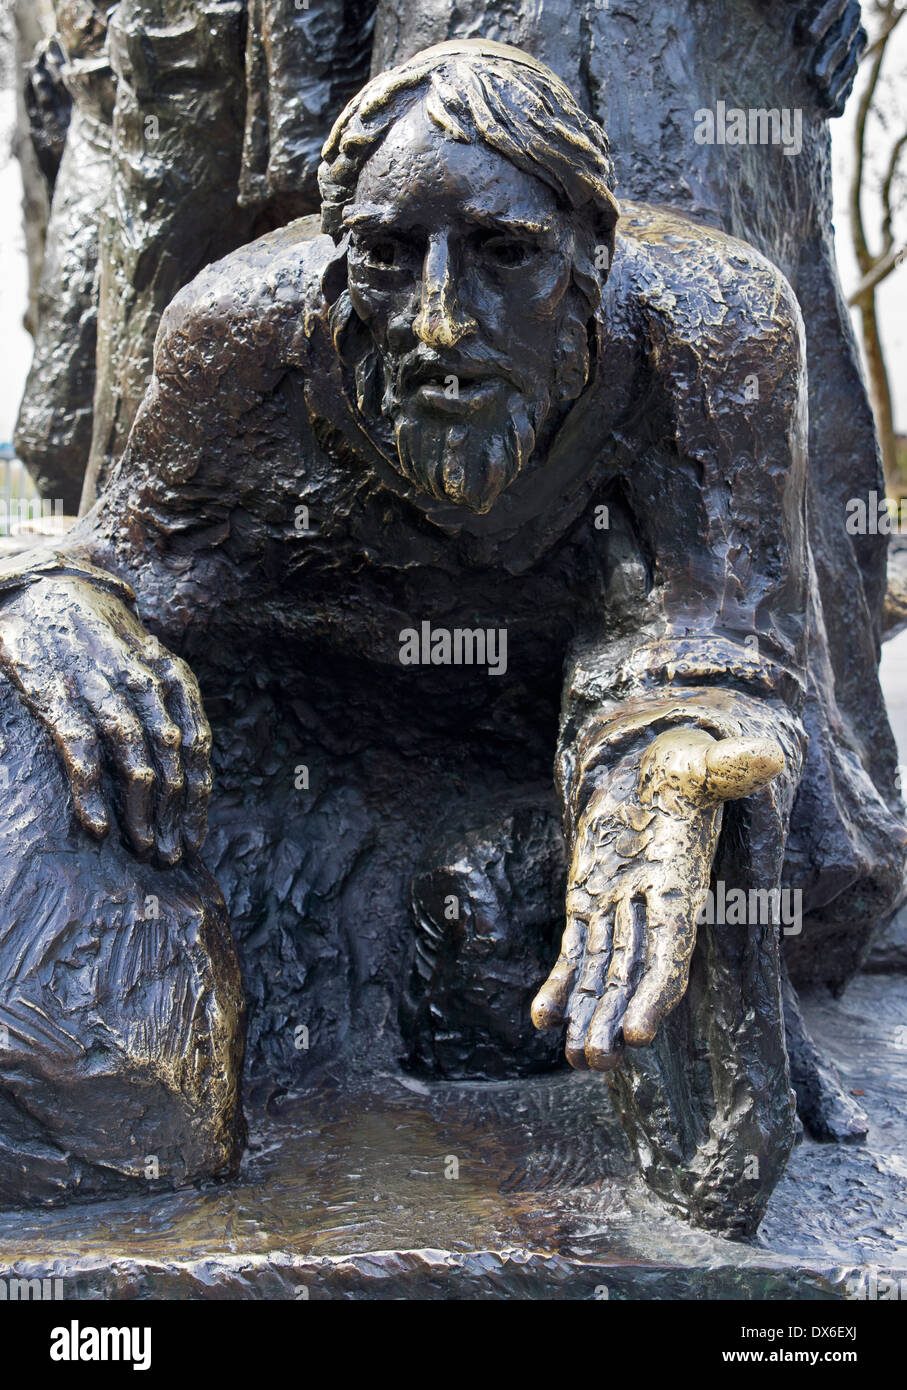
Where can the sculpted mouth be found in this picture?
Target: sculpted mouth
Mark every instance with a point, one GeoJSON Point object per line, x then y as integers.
{"type": "Point", "coordinates": [451, 389]}
{"type": "Point", "coordinates": [457, 396]}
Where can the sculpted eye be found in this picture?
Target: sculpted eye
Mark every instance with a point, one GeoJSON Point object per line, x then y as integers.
{"type": "Point", "coordinates": [383, 253]}
{"type": "Point", "coordinates": [508, 253]}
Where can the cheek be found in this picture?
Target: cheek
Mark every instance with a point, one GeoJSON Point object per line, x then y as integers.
{"type": "Point", "coordinates": [363, 300]}
{"type": "Point", "coordinates": [547, 288]}
{"type": "Point", "coordinates": [531, 297]}
{"type": "Point", "coordinates": [376, 306]}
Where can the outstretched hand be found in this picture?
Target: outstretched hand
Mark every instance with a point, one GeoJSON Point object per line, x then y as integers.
{"type": "Point", "coordinates": [639, 876]}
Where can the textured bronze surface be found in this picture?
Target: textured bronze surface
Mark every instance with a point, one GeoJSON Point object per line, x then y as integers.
{"type": "Point", "coordinates": [53, 432]}
{"type": "Point", "coordinates": [479, 402]}
{"type": "Point", "coordinates": [351, 1193]}
{"type": "Point", "coordinates": [644, 69]}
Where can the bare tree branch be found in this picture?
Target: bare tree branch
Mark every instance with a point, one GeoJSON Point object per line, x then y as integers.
{"type": "Point", "coordinates": [882, 268]}
{"type": "Point", "coordinates": [887, 182]}
{"type": "Point", "coordinates": [858, 231]}
{"type": "Point", "coordinates": [874, 268]}
{"type": "Point", "coordinates": [893, 16]}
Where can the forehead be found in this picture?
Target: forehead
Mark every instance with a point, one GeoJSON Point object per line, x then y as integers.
{"type": "Point", "coordinates": [419, 174]}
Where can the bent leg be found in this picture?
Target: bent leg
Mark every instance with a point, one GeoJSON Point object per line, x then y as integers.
{"type": "Point", "coordinates": [708, 1107]}
{"type": "Point", "coordinates": [121, 1011]}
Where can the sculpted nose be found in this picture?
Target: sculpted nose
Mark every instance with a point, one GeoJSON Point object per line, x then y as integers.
{"type": "Point", "coordinates": [440, 321]}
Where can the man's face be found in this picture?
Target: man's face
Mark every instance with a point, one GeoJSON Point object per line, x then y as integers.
{"type": "Point", "coordinates": [460, 265]}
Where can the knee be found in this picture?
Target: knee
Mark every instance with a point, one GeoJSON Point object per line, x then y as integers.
{"type": "Point", "coordinates": [124, 1025]}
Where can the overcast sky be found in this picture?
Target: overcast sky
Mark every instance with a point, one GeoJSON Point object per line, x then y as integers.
{"type": "Point", "coordinates": [892, 296]}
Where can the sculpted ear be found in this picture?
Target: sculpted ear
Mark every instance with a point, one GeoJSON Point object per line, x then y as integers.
{"type": "Point", "coordinates": [572, 359]}
{"type": "Point", "coordinates": [595, 254]}
{"type": "Point", "coordinates": [334, 277]}
{"type": "Point", "coordinates": [351, 338]}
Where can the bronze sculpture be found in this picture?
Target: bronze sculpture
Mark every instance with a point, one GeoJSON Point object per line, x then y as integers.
{"type": "Point", "coordinates": [463, 403]}
{"type": "Point", "coordinates": [72, 88]}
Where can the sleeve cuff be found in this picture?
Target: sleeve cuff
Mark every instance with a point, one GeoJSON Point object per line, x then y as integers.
{"type": "Point", "coordinates": [21, 570]}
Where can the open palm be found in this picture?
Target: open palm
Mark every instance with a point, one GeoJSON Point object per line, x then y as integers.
{"type": "Point", "coordinates": [639, 876]}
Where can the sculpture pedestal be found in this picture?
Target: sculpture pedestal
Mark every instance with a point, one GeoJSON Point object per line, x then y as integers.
{"type": "Point", "coordinates": [494, 1191]}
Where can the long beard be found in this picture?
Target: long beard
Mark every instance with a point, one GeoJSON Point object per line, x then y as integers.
{"type": "Point", "coordinates": [465, 462]}
{"type": "Point", "coordinates": [468, 464]}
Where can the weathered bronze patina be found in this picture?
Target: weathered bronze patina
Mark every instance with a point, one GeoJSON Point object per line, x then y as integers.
{"type": "Point", "coordinates": [462, 482]}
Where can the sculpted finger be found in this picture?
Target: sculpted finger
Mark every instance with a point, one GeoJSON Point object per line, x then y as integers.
{"type": "Point", "coordinates": [836, 53]}
{"type": "Point", "coordinates": [549, 1004]}
{"type": "Point", "coordinates": [829, 14]}
{"type": "Point", "coordinates": [582, 1007]}
{"type": "Point", "coordinates": [123, 736]}
{"type": "Point", "coordinates": [80, 750]}
{"type": "Point", "coordinates": [737, 767]}
{"type": "Point", "coordinates": [75, 738]}
{"type": "Point", "coordinates": [840, 86]}
{"type": "Point", "coordinates": [164, 739]}
{"type": "Point", "coordinates": [185, 703]}
{"type": "Point", "coordinates": [590, 983]}
{"type": "Point", "coordinates": [671, 933]}
{"type": "Point", "coordinates": [603, 1040]}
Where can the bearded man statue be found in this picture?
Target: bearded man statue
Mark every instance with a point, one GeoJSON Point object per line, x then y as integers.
{"type": "Point", "coordinates": [495, 580]}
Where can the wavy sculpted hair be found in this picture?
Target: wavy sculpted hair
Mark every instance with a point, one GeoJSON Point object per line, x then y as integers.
{"type": "Point", "coordinates": [479, 91]}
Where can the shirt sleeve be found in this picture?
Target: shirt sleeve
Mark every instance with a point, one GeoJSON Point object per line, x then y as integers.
{"type": "Point", "coordinates": [706, 617]}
